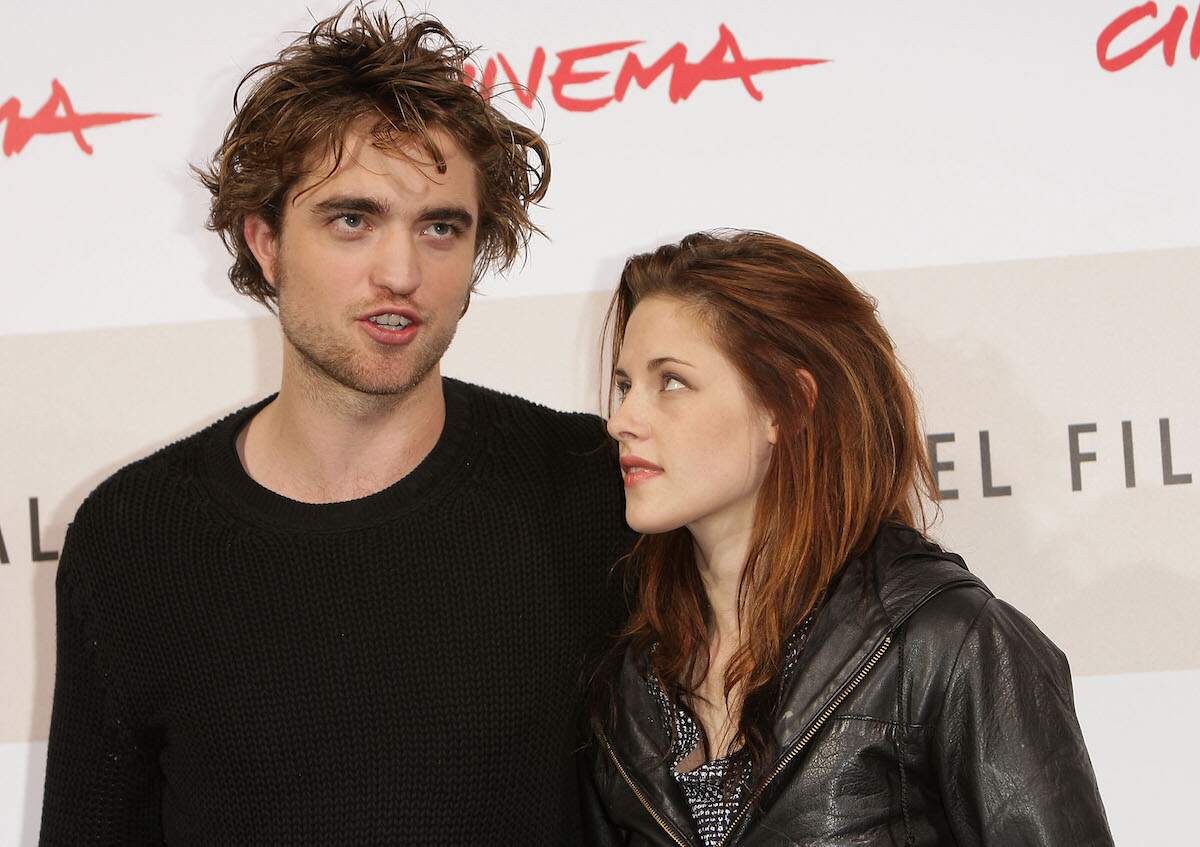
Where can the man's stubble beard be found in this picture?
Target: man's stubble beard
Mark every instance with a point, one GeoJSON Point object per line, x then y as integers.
{"type": "Point", "coordinates": [392, 371]}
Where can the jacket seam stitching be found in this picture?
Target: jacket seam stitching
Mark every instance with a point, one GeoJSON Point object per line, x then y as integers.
{"type": "Point", "coordinates": [875, 588]}
{"type": "Point", "coordinates": [882, 721]}
{"type": "Point", "coordinates": [957, 657]}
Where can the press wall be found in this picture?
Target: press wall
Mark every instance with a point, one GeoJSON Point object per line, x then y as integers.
{"type": "Point", "coordinates": [1015, 183]}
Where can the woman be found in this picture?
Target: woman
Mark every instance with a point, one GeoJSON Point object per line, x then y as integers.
{"type": "Point", "coordinates": [802, 666]}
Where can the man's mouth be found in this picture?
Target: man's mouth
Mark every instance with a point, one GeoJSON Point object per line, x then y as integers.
{"type": "Point", "coordinates": [390, 320]}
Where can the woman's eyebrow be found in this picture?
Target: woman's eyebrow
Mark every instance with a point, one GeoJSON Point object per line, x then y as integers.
{"type": "Point", "coordinates": [654, 364]}
{"type": "Point", "coordinates": [662, 360]}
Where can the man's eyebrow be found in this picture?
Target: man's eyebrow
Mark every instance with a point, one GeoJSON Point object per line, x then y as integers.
{"type": "Point", "coordinates": [455, 214]}
{"type": "Point", "coordinates": [349, 203]}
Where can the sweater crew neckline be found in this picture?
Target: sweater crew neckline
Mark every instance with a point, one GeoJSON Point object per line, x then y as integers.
{"type": "Point", "coordinates": [228, 482]}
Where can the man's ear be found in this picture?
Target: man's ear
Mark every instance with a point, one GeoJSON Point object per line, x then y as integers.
{"type": "Point", "coordinates": [261, 240]}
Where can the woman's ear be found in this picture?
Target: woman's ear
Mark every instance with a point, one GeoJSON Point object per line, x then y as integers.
{"type": "Point", "coordinates": [809, 386]}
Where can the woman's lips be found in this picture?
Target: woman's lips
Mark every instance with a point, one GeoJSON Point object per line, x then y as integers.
{"type": "Point", "coordinates": [635, 470]}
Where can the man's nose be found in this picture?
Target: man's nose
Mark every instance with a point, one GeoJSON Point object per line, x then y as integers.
{"type": "Point", "coordinates": [395, 265]}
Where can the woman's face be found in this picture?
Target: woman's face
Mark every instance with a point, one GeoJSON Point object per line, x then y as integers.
{"type": "Point", "coordinates": [694, 444]}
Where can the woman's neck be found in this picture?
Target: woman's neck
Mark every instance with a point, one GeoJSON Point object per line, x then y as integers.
{"type": "Point", "coordinates": [721, 548]}
{"type": "Point", "coordinates": [720, 565]}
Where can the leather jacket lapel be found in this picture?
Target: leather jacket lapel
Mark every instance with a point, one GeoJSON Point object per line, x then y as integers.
{"type": "Point", "coordinates": [873, 595]}
{"type": "Point", "coordinates": [641, 741]}
{"type": "Point", "coordinates": [845, 632]}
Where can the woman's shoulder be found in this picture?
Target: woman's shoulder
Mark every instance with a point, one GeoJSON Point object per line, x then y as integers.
{"type": "Point", "coordinates": [932, 592]}
{"type": "Point", "coordinates": [974, 616]}
{"type": "Point", "coordinates": [907, 572]}
{"type": "Point", "coordinates": [967, 640]}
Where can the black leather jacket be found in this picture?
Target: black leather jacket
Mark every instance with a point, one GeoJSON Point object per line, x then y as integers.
{"type": "Point", "coordinates": [923, 711]}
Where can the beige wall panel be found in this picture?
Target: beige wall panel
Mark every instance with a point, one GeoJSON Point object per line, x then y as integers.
{"type": "Point", "coordinates": [1024, 350]}
{"type": "Point", "coordinates": [1021, 349]}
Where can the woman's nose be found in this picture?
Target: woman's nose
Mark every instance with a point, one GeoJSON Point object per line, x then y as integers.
{"type": "Point", "coordinates": [625, 424]}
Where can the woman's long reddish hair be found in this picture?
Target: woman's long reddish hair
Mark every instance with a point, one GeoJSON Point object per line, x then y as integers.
{"type": "Point", "coordinates": [848, 457]}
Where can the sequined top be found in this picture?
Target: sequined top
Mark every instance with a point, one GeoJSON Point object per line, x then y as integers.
{"type": "Point", "coordinates": [713, 799]}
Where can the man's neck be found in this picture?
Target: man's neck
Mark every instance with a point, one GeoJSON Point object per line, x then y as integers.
{"type": "Point", "coordinates": [321, 443]}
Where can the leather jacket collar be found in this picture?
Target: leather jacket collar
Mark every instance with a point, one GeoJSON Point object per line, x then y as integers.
{"type": "Point", "coordinates": [871, 597]}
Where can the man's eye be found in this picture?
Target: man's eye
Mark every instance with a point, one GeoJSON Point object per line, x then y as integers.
{"type": "Point", "coordinates": [352, 221]}
{"type": "Point", "coordinates": [441, 229]}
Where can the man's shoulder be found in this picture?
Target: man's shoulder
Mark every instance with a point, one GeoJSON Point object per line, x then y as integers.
{"type": "Point", "coordinates": [149, 484]}
{"type": "Point", "coordinates": [514, 416]}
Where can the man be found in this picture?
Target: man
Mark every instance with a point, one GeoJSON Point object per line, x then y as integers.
{"type": "Point", "coordinates": [355, 612]}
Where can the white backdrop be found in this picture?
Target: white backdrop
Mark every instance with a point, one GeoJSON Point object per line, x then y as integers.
{"type": "Point", "coordinates": [1026, 215]}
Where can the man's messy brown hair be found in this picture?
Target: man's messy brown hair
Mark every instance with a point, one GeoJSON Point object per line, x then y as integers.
{"type": "Point", "coordinates": [405, 78]}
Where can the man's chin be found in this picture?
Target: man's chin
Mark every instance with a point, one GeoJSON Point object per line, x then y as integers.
{"type": "Point", "coordinates": [369, 372]}
{"type": "Point", "coordinates": [341, 374]}
{"type": "Point", "coordinates": [384, 383]}
{"type": "Point", "coordinates": [385, 388]}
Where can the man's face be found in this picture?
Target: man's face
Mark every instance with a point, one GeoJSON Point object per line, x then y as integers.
{"type": "Point", "coordinates": [372, 266]}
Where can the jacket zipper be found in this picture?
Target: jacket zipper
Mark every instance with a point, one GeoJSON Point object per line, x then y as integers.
{"type": "Point", "coordinates": [806, 738]}
{"type": "Point", "coordinates": [782, 765]}
{"type": "Point", "coordinates": [637, 792]}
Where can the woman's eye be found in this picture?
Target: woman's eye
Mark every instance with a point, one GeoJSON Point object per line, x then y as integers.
{"type": "Point", "coordinates": [672, 383]}
{"type": "Point", "coordinates": [621, 389]}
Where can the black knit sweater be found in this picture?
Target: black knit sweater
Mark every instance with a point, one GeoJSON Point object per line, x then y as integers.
{"type": "Point", "coordinates": [238, 668]}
